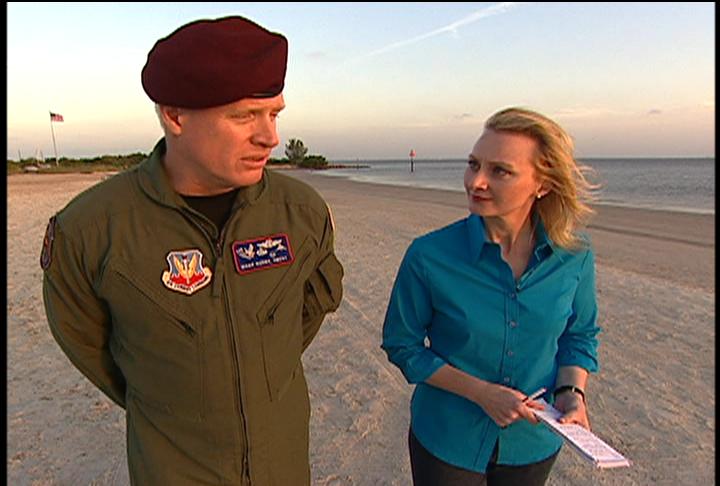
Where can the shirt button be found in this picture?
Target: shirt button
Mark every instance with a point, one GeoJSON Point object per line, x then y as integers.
{"type": "Point", "coordinates": [510, 352]}
{"type": "Point", "coordinates": [506, 379]}
{"type": "Point", "coordinates": [512, 324]}
{"type": "Point", "coordinates": [512, 295]}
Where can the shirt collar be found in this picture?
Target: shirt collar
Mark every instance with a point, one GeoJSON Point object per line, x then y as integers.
{"type": "Point", "coordinates": [156, 183]}
{"type": "Point", "coordinates": [477, 237]}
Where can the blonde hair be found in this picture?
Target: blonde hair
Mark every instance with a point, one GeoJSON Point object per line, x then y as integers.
{"type": "Point", "coordinates": [564, 207]}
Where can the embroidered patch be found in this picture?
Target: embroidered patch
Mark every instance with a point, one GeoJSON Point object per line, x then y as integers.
{"type": "Point", "coordinates": [46, 255]}
{"type": "Point", "coordinates": [187, 274]}
{"type": "Point", "coordinates": [262, 253]}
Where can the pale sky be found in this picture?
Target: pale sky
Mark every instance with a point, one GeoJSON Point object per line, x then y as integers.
{"type": "Point", "coordinates": [372, 81]}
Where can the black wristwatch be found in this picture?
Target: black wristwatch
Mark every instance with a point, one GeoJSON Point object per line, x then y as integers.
{"type": "Point", "coordinates": [571, 388]}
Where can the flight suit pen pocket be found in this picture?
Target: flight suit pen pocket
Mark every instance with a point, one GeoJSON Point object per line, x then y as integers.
{"type": "Point", "coordinates": [280, 322]}
{"type": "Point", "coordinates": [288, 280]}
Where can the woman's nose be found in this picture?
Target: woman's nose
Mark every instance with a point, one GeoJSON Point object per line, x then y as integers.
{"type": "Point", "coordinates": [479, 180]}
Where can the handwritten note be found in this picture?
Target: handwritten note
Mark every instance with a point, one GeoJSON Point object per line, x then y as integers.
{"type": "Point", "coordinates": [587, 444]}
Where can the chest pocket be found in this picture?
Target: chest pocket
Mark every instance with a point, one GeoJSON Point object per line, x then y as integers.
{"type": "Point", "coordinates": [156, 342]}
{"type": "Point", "coordinates": [280, 321]}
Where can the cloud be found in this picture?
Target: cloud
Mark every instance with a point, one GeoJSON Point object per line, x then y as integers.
{"type": "Point", "coordinates": [452, 28]}
{"type": "Point", "coordinates": [587, 112]}
{"type": "Point", "coordinates": [316, 55]}
{"type": "Point", "coordinates": [463, 116]}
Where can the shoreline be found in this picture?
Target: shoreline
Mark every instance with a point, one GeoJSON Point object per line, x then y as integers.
{"type": "Point", "coordinates": [636, 239]}
{"type": "Point", "coordinates": [672, 209]}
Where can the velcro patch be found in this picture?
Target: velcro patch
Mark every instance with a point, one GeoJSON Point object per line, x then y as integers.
{"type": "Point", "coordinates": [186, 273]}
{"type": "Point", "coordinates": [262, 253]}
{"type": "Point", "coordinates": [46, 255]}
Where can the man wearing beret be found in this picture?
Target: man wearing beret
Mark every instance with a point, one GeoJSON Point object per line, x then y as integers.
{"type": "Point", "coordinates": [187, 288]}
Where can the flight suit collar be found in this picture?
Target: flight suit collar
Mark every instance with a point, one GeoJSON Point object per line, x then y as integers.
{"type": "Point", "coordinates": [156, 184]}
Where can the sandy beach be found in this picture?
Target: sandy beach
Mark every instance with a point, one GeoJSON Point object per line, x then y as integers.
{"type": "Point", "coordinates": [653, 399]}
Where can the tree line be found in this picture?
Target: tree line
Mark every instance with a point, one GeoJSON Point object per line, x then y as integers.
{"type": "Point", "coordinates": [295, 154]}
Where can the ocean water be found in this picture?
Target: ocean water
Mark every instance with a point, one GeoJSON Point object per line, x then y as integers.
{"type": "Point", "coordinates": [675, 184]}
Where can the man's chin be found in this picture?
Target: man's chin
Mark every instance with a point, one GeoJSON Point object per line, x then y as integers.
{"type": "Point", "coordinates": [249, 177]}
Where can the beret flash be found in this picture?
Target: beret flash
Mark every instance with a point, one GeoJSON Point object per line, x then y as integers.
{"type": "Point", "coordinates": [210, 63]}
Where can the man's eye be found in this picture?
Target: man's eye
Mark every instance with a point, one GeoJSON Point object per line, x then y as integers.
{"type": "Point", "coordinates": [473, 164]}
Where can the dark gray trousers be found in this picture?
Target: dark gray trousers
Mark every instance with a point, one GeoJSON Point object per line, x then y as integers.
{"type": "Point", "coordinates": [428, 470]}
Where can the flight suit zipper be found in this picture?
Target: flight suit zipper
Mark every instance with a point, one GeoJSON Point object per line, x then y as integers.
{"type": "Point", "coordinates": [237, 376]}
{"type": "Point", "coordinates": [217, 246]}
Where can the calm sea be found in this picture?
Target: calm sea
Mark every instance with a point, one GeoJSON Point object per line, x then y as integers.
{"type": "Point", "coordinates": [676, 184]}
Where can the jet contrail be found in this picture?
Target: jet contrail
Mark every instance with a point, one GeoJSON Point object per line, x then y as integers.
{"type": "Point", "coordinates": [498, 9]}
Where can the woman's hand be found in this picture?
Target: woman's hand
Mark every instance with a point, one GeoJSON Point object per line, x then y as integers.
{"type": "Point", "coordinates": [574, 409]}
{"type": "Point", "coordinates": [505, 405]}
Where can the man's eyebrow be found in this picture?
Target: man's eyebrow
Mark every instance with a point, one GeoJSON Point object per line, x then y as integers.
{"type": "Point", "coordinates": [243, 110]}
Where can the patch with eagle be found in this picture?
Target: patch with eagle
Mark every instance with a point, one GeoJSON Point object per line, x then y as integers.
{"type": "Point", "coordinates": [262, 253]}
{"type": "Point", "coordinates": [187, 274]}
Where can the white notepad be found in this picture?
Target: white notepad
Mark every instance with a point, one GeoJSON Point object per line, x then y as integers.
{"type": "Point", "coordinates": [584, 442]}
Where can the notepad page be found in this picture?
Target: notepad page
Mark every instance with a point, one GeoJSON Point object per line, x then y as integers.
{"type": "Point", "coordinates": [590, 446]}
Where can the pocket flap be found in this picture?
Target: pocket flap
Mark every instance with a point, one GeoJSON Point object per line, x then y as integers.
{"type": "Point", "coordinates": [291, 276]}
{"type": "Point", "coordinates": [184, 315]}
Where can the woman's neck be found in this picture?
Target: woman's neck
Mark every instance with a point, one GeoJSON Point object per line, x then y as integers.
{"type": "Point", "coordinates": [510, 234]}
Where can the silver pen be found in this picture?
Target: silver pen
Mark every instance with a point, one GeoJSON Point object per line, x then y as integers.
{"type": "Point", "coordinates": [535, 395]}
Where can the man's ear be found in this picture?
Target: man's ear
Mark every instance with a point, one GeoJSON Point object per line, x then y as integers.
{"type": "Point", "coordinates": [171, 119]}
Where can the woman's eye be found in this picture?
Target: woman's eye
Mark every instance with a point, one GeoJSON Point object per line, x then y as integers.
{"type": "Point", "coordinates": [500, 171]}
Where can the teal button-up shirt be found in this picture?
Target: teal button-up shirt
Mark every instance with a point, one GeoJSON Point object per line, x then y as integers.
{"type": "Point", "coordinates": [456, 301]}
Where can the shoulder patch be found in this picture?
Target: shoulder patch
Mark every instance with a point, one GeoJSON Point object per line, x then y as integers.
{"type": "Point", "coordinates": [46, 255]}
{"type": "Point", "coordinates": [186, 273]}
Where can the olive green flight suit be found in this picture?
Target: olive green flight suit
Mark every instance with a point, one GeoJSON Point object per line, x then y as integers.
{"type": "Point", "coordinates": [152, 303]}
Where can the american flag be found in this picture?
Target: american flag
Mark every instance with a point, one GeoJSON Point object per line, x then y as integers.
{"type": "Point", "coordinates": [54, 117]}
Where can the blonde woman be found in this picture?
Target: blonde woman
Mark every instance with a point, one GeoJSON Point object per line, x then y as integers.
{"type": "Point", "coordinates": [493, 307]}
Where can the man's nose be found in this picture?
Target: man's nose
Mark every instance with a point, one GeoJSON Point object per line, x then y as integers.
{"type": "Point", "coordinates": [266, 132]}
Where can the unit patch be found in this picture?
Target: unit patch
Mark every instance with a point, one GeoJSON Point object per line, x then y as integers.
{"type": "Point", "coordinates": [46, 255]}
{"type": "Point", "coordinates": [262, 253]}
{"type": "Point", "coordinates": [187, 274]}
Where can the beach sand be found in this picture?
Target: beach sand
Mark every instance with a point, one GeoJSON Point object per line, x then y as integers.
{"type": "Point", "coordinates": [653, 399]}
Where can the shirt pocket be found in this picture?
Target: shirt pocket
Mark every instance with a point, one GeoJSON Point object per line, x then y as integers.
{"type": "Point", "coordinates": [280, 321]}
{"type": "Point", "coordinates": [156, 342]}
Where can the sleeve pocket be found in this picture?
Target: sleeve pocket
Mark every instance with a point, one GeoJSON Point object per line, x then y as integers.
{"type": "Point", "coordinates": [324, 287]}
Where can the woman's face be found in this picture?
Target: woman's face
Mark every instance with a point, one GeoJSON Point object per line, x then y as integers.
{"type": "Point", "coordinates": [501, 179]}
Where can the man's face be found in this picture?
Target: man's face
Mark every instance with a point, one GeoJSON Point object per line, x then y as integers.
{"type": "Point", "coordinates": [227, 146]}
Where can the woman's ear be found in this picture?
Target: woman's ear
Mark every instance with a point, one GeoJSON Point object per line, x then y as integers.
{"type": "Point", "coordinates": [543, 190]}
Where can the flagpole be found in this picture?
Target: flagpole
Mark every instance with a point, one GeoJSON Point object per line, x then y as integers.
{"type": "Point", "coordinates": [52, 130]}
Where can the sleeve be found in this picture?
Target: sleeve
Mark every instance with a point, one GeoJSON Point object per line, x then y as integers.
{"type": "Point", "coordinates": [78, 319]}
{"type": "Point", "coordinates": [323, 289]}
{"type": "Point", "coordinates": [407, 319]}
{"type": "Point", "coordinates": [578, 344]}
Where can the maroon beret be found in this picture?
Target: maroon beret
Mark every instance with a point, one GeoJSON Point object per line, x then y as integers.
{"type": "Point", "coordinates": [209, 63]}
